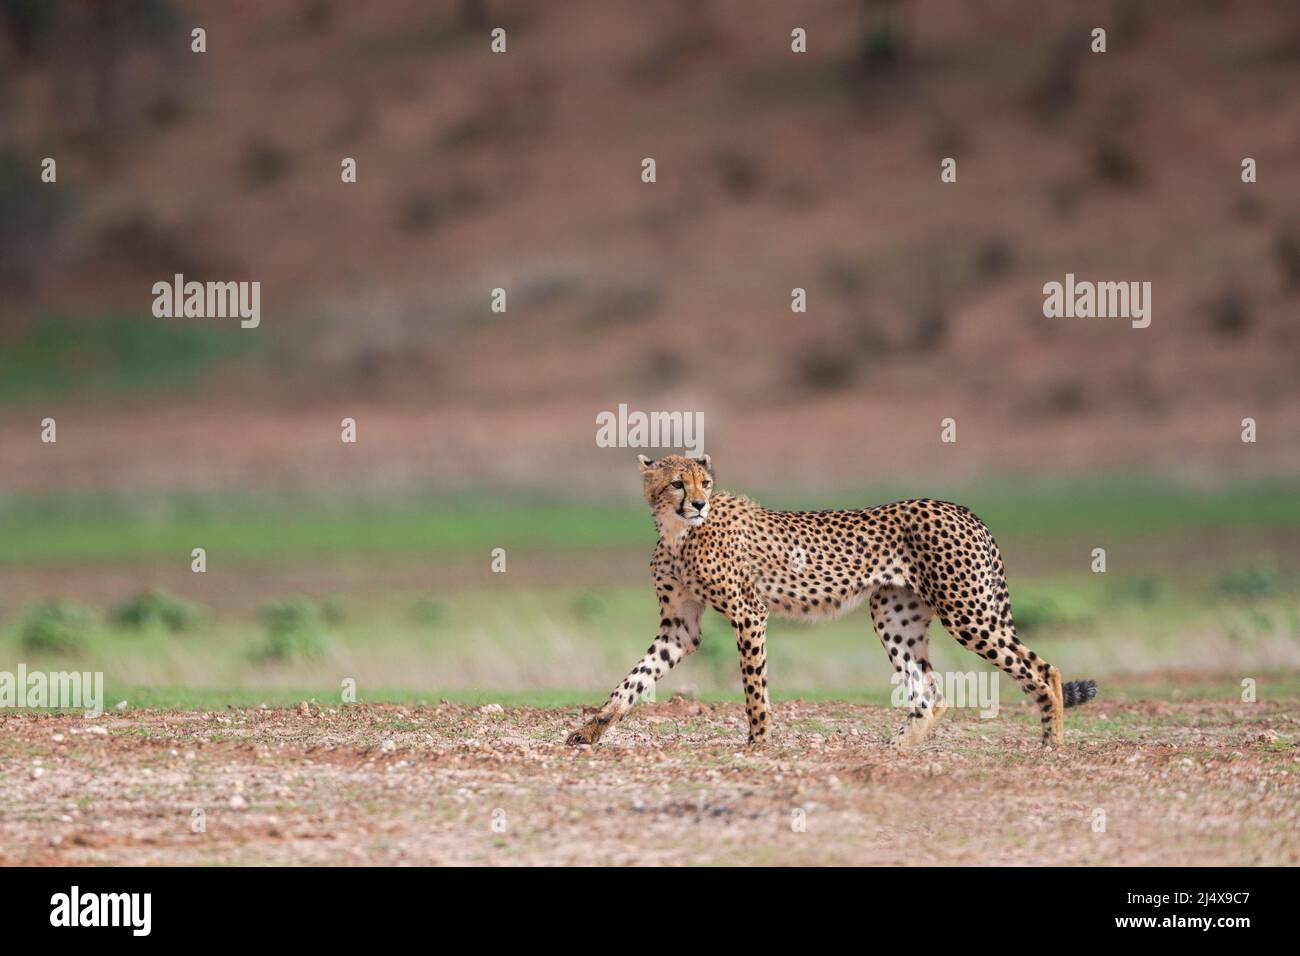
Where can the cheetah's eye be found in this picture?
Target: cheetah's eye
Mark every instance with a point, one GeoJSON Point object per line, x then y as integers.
{"type": "Point", "coordinates": [679, 484]}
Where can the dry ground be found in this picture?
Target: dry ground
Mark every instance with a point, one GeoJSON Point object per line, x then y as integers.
{"type": "Point", "coordinates": [1178, 783]}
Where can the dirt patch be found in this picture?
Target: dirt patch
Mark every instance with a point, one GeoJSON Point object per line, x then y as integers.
{"type": "Point", "coordinates": [1204, 783]}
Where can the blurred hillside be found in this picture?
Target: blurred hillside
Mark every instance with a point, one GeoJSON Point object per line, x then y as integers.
{"type": "Point", "coordinates": [522, 171]}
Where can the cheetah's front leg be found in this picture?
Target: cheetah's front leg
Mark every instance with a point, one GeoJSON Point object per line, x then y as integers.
{"type": "Point", "coordinates": [749, 620]}
{"type": "Point", "coordinates": [679, 634]}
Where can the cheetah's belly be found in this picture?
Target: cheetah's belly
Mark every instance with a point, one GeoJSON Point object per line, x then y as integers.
{"type": "Point", "coordinates": [816, 600]}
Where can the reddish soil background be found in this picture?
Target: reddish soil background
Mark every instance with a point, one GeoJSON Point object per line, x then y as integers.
{"type": "Point", "coordinates": [775, 171]}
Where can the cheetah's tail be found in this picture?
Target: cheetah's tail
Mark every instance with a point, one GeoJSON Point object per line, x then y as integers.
{"type": "Point", "coordinates": [1078, 692]}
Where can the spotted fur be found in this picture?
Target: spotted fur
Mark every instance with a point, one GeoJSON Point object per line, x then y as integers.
{"type": "Point", "coordinates": [909, 561]}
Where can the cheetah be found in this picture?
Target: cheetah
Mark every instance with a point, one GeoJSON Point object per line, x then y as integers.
{"type": "Point", "coordinates": [910, 561]}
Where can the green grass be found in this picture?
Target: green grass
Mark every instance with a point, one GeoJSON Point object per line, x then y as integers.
{"type": "Point", "coordinates": [1130, 508]}
{"type": "Point", "coordinates": [56, 357]}
{"type": "Point", "coordinates": [1220, 594]}
{"type": "Point", "coordinates": [1279, 686]}
{"type": "Point", "coordinates": [562, 648]}
{"type": "Point", "coordinates": [41, 533]}
{"type": "Point", "coordinates": [56, 529]}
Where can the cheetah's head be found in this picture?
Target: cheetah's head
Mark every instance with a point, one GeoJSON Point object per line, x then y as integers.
{"type": "Point", "coordinates": [679, 486]}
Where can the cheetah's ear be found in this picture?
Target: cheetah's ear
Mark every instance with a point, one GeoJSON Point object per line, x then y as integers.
{"type": "Point", "coordinates": [645, 463]}
{"type": "Point", "coordinates": [707, 462]}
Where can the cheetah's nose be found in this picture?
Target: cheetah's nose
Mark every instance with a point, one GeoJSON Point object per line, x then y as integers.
{"type": "Point", "coordinates": [699, 505]}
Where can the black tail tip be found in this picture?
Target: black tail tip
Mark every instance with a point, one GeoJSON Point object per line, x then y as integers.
{"type": "Point", "coordinates": [1078, 692]}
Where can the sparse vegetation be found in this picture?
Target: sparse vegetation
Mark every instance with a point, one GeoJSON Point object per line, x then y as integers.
{"type": "Point", "coordinates": [1068, 396]}
{"type": "Point", "coordinates": [421, 211]}
{"type": "Point", "coordinates": [1114, 162]}
{"type": "Point", "coordinates": [1230, 313]}
{"type": "Point", "coordinates": [266, 162]}
{"type": "Point", "coordinates": [1042, 610]}
{"type": "Point", "coordinates": [738, 172]}
{"type": "Point", "coordinates": [1260, 578]}
{"type": "Point", "coordinates": [826, 368]}
{"type": "Point", "coordinates": [882, 47]}
{"type": "Point", "coordinates": [1139, 588]}
{"type": "Point", "coordinates": [1054, 91]}
{"type": "Point", "coordinates": [333, 612]}
{"type": "Point", "coordinates": [31, 217]}
{"type": "Point", "coordinates": [929, 324]}
{"type": "Point", "coordinates": [429, 612]}
{"type": "Point", "coordinates": [157, 608]}
{"type": "Point", "coordinates": [1286, 252]}
{"type": "Point", "coordinates": [57, 627]}
{"type": "Point", "coordinates": [294, 631]}
{"type": "Point", "coordinates": [587, 606]}
{"type": "Point", "coordinates": [994, 258]}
